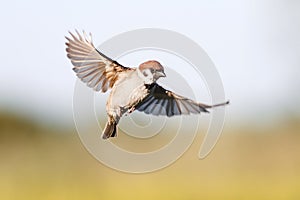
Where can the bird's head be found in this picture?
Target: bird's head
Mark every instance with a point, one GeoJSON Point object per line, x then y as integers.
{"type": "Point", "coordinates": [151, 71]}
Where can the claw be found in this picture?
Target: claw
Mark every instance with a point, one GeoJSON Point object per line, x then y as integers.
{"type": "Point", "coordinates": [131, 110]}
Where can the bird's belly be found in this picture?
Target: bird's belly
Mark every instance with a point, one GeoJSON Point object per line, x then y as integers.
{"type": "Point", "coordinates": [126, 94]}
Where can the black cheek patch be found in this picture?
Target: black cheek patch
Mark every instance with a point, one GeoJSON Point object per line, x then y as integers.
{"type": "Point", "coordinates": [145, 74]}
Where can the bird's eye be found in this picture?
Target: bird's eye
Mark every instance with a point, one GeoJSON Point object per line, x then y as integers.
{"type": "Point", "coordinates": [152, 70]}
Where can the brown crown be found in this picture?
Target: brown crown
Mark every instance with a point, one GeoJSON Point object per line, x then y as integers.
{"type": "Point", "coordinates": [151, 64]}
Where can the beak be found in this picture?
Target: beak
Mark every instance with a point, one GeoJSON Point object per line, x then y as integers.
{"type": "Point", "coordinates": [160, 74]}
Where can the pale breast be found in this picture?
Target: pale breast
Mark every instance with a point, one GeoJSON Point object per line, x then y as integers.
{"type": "Point", "coordinates": [127, 91]}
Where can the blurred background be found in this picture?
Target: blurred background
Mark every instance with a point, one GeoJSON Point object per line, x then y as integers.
{"type": "Point", "coordinates": [255, 46]}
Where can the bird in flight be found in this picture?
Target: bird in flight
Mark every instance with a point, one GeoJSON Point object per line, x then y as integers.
{"type": "Point", "coordinates": [131, 88]}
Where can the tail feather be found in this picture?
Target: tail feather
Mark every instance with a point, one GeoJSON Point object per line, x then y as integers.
{"type": "Point", "coordinates": [110, 130]}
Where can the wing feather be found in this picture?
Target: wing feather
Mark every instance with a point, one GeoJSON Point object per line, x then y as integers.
{"type": "Point", "coordinates": [90, 65]}
{"type": "Point", "coordinates": [160, 101]}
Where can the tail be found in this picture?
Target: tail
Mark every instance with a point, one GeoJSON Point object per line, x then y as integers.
{"type": "Point", "coordinates": [110, 130]}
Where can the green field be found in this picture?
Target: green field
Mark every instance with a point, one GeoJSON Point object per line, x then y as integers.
{"type": "Point", "coordinates": [247, 163]}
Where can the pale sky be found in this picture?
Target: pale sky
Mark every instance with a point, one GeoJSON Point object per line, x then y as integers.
{"type": "Point", "coordinates": [255, 46]}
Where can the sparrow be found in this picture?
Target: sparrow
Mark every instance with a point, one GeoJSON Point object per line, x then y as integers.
{"type": "Point", "coordinates": [134, 88]}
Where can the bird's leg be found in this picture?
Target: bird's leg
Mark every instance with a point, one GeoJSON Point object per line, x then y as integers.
{"type": "Point", "coordinates": [130, 110]}
{"type": "Point", "coordinates": [124, 111]}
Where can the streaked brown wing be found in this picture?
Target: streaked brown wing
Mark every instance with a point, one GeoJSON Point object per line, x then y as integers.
{"type": "Point", "coordinates": [160, 101]}
{"type": "Point", "coordinates": [91, 66]}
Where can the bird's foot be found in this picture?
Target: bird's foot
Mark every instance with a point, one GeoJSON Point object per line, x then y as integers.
{"type": "Point", "coordinates": [131, 110]}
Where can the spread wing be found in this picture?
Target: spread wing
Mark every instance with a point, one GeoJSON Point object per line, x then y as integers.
{"type": "Point", "coordinates": [160, 101]}
{"type": "Point", "coordinates": [91, 66]}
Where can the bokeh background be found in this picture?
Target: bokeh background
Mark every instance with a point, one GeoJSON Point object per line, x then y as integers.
{"type": "Point", "coordinates": [255, 45]}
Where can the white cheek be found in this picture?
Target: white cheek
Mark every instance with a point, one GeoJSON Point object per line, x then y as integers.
{"type": "Point", "coordinates": [148, 76]}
